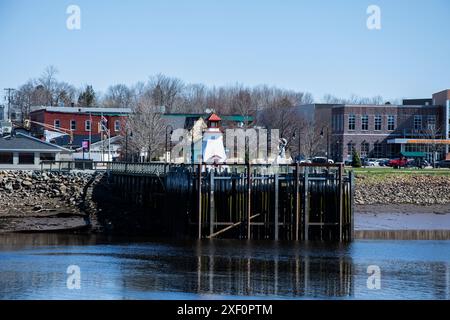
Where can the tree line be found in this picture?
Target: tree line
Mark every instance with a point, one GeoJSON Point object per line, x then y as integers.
{"type": "Point", "coordinates": [145, 98]}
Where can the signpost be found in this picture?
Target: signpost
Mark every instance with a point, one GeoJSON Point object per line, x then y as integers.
{"type": "Point", "coordinates": [85, 144]}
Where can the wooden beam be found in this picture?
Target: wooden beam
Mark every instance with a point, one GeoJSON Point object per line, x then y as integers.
{"type": "Point", "coordinates": [230, 227]}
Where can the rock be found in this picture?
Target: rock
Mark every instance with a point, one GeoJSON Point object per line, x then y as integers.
{"type": "Point", "coordinates": [27, 183]}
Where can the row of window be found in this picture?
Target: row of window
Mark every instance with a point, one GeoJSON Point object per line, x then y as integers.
{"type": "Point", "coordinates": [378, 121]}
{"type": "Point", "coordinates": [378, 150]}
{"type": "Point", "coordinates": [87, 125]}
{"type": "Point", "coordinates": [24, 157]}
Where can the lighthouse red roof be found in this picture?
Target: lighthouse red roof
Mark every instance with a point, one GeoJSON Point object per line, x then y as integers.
{"type": "Point", "coordinates": [214, 117]}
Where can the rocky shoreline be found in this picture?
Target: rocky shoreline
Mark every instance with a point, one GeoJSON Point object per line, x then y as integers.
{"type": "Point", "coordinates": [35, 201]}
{"type": "Point", "coordinates": [420, 190]}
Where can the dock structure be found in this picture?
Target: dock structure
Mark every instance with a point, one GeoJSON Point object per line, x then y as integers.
{"type": "Point", "coordinates": [278, 202]}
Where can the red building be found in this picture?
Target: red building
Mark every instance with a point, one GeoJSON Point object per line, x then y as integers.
{"type": "Point", "coordinates": [83, 123]}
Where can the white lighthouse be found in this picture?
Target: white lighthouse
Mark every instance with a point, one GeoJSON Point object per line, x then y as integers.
{"type": "Point", "coordinates": [212, 146]}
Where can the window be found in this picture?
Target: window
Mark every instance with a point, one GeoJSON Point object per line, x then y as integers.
{"type": "Point", "coordinates": [365, 149]}
{"type": "Point", "coordinates": [417, 122]}
{"type": "Point", "coordinates": [431, 123]}
{"type": "Point", "coordinates": [6, 157]}
{"type": "Point", "coordinates": [351, 122]}
{"type": "Point", "coordinates": [378, 150]}
{"type": "Point", "coordinates": [87, 125]}
{"type": "Point", "coordinates": [392, 150]}
{"type": "Point", "coordinates": [364, 122]}
{"type": "Point", "coordinates": [391, 123]}
{"type": "Point", "coordinates": [377, 123]}
{"type": "Point", "coordinates": [73, 125]}
{"type": "Point", "coordinates": [26, 158]}
{"type": "Point", "coordinates": [117, 125]}
{"type": "Point", "coordinates": [47, 157]}
{"type": "Point", "coordinates": [57, 124]}
{"type": "Point", "coordinates": [350, 148]}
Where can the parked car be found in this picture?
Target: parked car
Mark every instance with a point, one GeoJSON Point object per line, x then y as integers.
{"type": "Point", "coordinates": [368, 162]}
{"type": "Point", "coordinates": [348, 162]}
{"type": "Point", "coordinates": [382, 162]}
{"type": "Point", "coordinates": [417, 163]}
{"type": "Point", "coordinates": [443, 164]}
{"type": "Point", "coordinates": [398, 162]}
{"type": "Point", "coordinates": [322, 160]}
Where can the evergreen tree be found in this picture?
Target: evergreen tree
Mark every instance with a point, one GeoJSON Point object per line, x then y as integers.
{"type": "Point", "coordinates": [356, 160]}
{"type": "Point", "coordinates": [87, 97]}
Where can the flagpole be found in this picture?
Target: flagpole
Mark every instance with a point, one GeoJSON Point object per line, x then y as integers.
{"type": "Point", "coordinates": [90, 134]}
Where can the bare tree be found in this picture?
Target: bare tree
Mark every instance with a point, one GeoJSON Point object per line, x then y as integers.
{"type": "Point", "coordinates": [353, 99]}
{"type": "Point", "coordinates": [148, 128]}
{"type": "Point", "coordinates": [165, 91]}
{"type": "Point", "coordinates": [118, 96]}
{"type": "Point", "coordinates": [433, 133]}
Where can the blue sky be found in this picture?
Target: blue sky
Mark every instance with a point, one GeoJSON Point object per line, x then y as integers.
{"type": "Point", "coordinates": [316, 46]}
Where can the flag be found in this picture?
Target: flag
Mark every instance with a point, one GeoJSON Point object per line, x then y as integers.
{"type": "Point", "coordinates": [103, 124]}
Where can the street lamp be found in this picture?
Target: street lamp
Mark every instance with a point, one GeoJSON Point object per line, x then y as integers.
{"type": "Point", "coordinates": [338, 151]}
{"type": "Point", "coordinates": [328, 139]}
{"type": "Point", "coordinates": [130, 133]}
{"type": "Point", "coordinates": [168, 143]}
{"type": "Point", "coordinates": [297, 132]}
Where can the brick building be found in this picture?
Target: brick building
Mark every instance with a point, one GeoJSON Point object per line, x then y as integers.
{"type": "Point", "coordinates": [82, 122]}
{"type": "Point", "coordinates": [383, 131]}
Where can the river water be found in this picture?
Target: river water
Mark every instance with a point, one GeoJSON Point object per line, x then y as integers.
{"type": "Point", "coordinates": [35, 266]}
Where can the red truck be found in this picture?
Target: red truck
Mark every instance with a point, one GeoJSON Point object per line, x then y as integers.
{"type": "Point", "coordinates": [398, 163]}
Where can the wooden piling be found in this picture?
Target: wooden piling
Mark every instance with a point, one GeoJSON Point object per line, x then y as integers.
{"type": "Point", "coordinates": [297, 201]}
{"type": "Point", "coordinates": [249, 196]}
{"type": "Point", "coordinates": [276, 212]}
{"type": "Point", "coordinates": [199, 199]}
{"type": "Point", "coordinates": [211, 202]}
{"type": "Point", "coordinates": [341, 198]}
{"type": "Point", "coordinates": [306, 203]}
{"type": "Point", "coordinates": [300, 202]}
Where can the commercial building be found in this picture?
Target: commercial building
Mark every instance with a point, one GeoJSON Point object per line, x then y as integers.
{"type": "Point", "coordinates": [385, 131]}
{"type": "Point", "coordinates": [419, 127]}
{"type": "Point", "coordinates": [22, 151]}
{"type": "Point", "coordinates": [82, 123]}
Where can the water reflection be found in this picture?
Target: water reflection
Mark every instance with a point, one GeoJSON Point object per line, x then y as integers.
{"type": "Point", "coordinates": [34, 267]}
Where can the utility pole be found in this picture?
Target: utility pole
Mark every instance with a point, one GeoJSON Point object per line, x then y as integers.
{"type": "Point", "coordinates": [9, 92]}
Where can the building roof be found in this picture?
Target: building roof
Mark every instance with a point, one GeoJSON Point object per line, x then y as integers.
{"type": "Point", "coordinates": [214, 117]}
{"type": "Point", "coordinates": [113, 140]}
{"type": "Point", "coordinates": [89, 110]}
{"type": "Point", "coordinates": [26, 143]}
